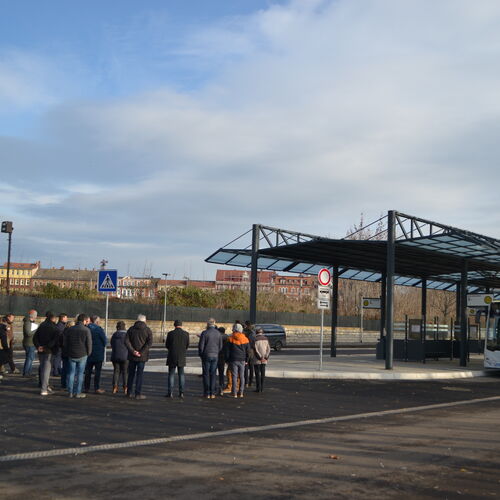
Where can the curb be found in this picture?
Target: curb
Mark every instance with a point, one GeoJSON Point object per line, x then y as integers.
{"type": "Point", "coordinates": [346, 375]}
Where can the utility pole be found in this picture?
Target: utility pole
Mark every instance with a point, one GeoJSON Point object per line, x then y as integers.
{"type": "Point", "coordinates": [7, 227]}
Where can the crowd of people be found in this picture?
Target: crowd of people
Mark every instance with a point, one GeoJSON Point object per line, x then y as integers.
{"type": "Point", "coordinates": [75, 351]}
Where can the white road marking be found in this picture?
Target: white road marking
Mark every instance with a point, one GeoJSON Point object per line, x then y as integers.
{"type": "Point", "coordinates": [241, 430]}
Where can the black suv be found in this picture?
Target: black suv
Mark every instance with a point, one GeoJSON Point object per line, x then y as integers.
{"type": "Point", "coordinates": [275, 333]}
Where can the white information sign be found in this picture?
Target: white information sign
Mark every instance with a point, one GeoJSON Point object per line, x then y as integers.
{"type": "Point", "coordinates": [479, 300]}
{"type": "Point", "coordinates": [323, 297]}
{"type": "Point", "coordinates": [371, 303]}
{"type": "Point", "coordinates": [323, 304]}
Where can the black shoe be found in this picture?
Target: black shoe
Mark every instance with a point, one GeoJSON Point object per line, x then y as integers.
{"type": "Point", "coordinates": [181, 395]}
{"type": "Point", "coordinates": [169, 395]}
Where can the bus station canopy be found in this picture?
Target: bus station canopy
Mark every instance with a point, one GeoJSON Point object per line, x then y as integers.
{"type": "Point", "coordinates": [424, 250]}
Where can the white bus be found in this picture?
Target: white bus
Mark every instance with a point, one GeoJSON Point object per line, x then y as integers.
{"type": "Point", "coordinates": [492, 344]}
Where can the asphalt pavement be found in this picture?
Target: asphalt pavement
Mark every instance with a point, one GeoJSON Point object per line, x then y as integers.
{"type": "Point", "coordinates": [387, 456]}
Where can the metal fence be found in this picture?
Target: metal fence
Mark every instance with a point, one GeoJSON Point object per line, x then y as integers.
{"type": "Point", "coordinates": [20, 304]}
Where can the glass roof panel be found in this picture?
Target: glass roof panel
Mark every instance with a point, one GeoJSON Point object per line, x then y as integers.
{"type": "Point", "coordinates": [302, 267]}
{"type": "Point", "coordinates": [240, 260]}
{"type": "Point", "coordinates": [221, 257]}
{"type": "Point", "coordinates": [279, 265]}
{"type": "Point", "coordinates": [265, 262]}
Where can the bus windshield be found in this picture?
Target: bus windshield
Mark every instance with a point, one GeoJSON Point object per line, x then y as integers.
{"type": "Point", "coordinates": [493, 328]}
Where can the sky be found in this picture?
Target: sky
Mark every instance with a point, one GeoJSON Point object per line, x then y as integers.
{"type": "Point", "coordinates": [151, 133]}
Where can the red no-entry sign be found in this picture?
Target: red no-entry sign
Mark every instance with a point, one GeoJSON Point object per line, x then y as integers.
{"type": "Point", "coordinates": [324, 277]}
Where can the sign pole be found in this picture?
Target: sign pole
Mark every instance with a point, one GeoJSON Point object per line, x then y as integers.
{"type": "Point", "coordinates": [324, 299]}
{"type": "Point", "coordinates": [107, 283]}
{"type": "Point", "coordinates": [361, 321]}
{"type": "Point", "coordinates": [106, 329]}
{"type": "Point", "coordinates": [321, 341]}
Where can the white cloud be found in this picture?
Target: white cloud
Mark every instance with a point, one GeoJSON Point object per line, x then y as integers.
{"type": "Point", "coordinates": [319, 110]}
{"type": "Point", "coordinates": [23, 79]}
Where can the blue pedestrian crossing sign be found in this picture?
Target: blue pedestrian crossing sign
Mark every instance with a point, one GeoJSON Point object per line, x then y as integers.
{"type": "Point", "coordinates": [108, 280]}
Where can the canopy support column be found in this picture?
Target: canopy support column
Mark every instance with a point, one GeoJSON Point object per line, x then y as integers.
{"type": "Point", "coordinates": [463, 314]}
{"type": "Point", "coordinates": [254, 273]}
{"type": "Point", "coordinates": [389, 306]}
{"type": "Point", "coordinates": [424, 307]}
{"type": "Point", "coordinates": [335, 310]}
{"type": "Point", "coordinates": [383, 296]}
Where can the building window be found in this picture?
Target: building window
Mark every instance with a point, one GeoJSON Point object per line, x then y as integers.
{"type": "Point", "coordinates": [21, 282]}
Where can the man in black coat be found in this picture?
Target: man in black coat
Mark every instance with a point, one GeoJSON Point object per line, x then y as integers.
{"type": "Point", "coordinates": [138, 341]}
{"type": "Point", "coordinates": [4, 346]}
{"type": "Point", "coordinates": [46, 341]}
{"type": "Point", "coordinates": [177, 344]}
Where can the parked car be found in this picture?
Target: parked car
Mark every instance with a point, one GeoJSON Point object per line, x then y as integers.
{"type": "Point", "coordinates": [276, 335]}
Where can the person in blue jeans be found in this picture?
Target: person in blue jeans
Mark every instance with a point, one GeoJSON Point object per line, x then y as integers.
{"type": "Point", "coordinates": [209, 346]}
{"type": "Point", "coordinates": [77, 346]}
{"type": "Point", "coordinates": [29, 328]}
{"type": "Point", "coordinates": [139, 339]}
{"type": "Point", "coordinates": [76, 373]}
{"type": "Point", "coordinates": [96, 358]}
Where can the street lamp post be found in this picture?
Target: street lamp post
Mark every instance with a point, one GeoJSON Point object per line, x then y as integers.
{"type": "Point", "coordinates": [164, 322]}
{"type": "Point", "coordinates": [7, 227]}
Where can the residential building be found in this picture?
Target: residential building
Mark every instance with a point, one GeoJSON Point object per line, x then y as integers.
{"type": "Point", "coordinates": [20, 275]}
{"type": "Point", "coordinates": [66, 278]}
{"type": "Point", "coordinates": [130, 287]}
{"type": "Point", "coordinates": [295, 286]}
{"type": "Point", "coordinates": [204, 285]}
{"type": "Point", "coordinates": [237, 279]}
{"type": "Point", "coordinates": [291, 285]}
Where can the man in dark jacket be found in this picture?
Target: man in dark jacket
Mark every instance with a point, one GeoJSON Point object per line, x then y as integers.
{"type": "Point", "coordinates": [209, 346]}
{"type": "Point", "coordinates": [4, 345]}
{"type": "Point", "coordinates": [46, 342]}
{"type": "Point", "coordinates": [221, 363]}
{"type": "Point", "coordinates": [77, 345]}
{"type": "Point", "coordinates": [249, 331]}
{"type": "Point", "coordinates": [139, 340]}
{"type": "Point", "coordinates": [29, 327]}
{"type": "Point", "coordinates": [177, 344]}
{"type": "Point", "coordinates": [119, 357]}
{"type": "Point", "coordinates": [63, 364]}
{"type": "Point", "coordinates": [96, 358]}
{"type": "Point", "coordinates": [8, 320]}
{"type": "Point", "coordinates": [57, 358]}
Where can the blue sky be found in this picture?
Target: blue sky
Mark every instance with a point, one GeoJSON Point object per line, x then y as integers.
{"type": "Point", "coordinates": [112, 49]}
{"type": "Point", "coordinates": [150, 133]}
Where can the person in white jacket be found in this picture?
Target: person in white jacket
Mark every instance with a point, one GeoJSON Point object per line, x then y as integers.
{"type": "Point", "coordinates": [262, 352]}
